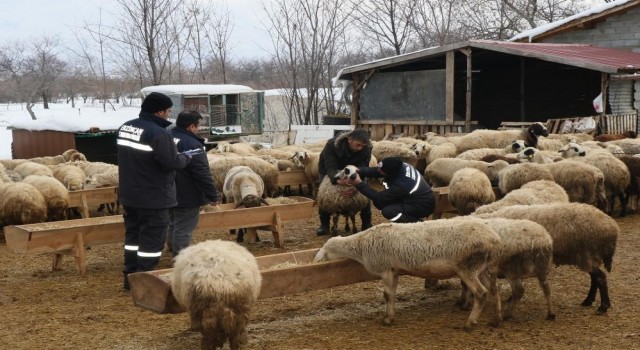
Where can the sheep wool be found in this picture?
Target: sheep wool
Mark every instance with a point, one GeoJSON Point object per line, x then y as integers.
{"type": "Point", "coordinates": [534, 192]}
{"type": "Point", "coordinates": [469, 189]}
{"type": "Point", "coordinates": [217, 282]}
{"type": "Point", "coordinates": [456, 247]}
{"type": "Point", "coordinates": [515, 176]}
{"type": "Point", "coordinates": [330, 200]}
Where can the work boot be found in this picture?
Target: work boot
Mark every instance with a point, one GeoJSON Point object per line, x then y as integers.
{"type": "Point", "coordinates": [366, 225]}
{"type": "Point", "coordinates": [325, 219]}
{"type": "Point", "coordinates": [126, 283]}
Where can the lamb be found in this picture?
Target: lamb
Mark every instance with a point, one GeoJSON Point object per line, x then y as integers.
{"type": "Point", "coordinates": [629, 134]}
{"type": "Point", "coordinates": [55, 194]}
{"type": "Point", "coordinates": [268, 172]}
{"type": "Point", "coordinates": [70, 176]}
{"type": "Point", "coordinates": [616, 173]}
{"type": "Point", "coordinates": [434, 249]}
{"type": "Point", "coordinates": [21, 203]}
{"type": "Point", "coordinates": [310, 162]}
{"type": "Point", "coordinates": [535, 155]}
{"type": "Point", "coordinates": [583, 236]}
{"type": "Point", "coordinates": [469, 189]}
{"type": "Point", "coordinates": [483, 138]}
{"type": "Point", "coordinates": [217, 282]}
{"type": "Point", "coordinates": [30, 168]}
{"type": "Point", "coordinates": [534, 192]}
{"type": "Point", "coordinates": [440, 171]}
{"type": "Point", "coordinates": [331, 200]}
{"type": "Point", "coordinates": [526, 252]}
{"type": "Point", "coordinates": [515, 176]}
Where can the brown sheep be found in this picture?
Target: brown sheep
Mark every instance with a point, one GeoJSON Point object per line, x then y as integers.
{"type": "Point", "coordinates": [629, 134]}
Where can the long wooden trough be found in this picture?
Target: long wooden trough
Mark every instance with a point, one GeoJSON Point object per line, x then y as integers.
{"type": "Point", "coordinates": [71, 237]}
{"type": "Point", "coordinates": [297, 274]}
{"type": "Point", "coordinates": [84, 199]}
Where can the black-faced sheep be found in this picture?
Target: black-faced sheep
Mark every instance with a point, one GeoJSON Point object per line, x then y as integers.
{"type": "Point", "coordinates": [534, 155]}
{"type": "Point", "coordinates": [583, 236]}
{"type": "Point", "coordinates": [469, 189]}
{"type": "Point", "coordinates": [331, 200]}
{"type": "Point", "coordinates": [440, 171]}
{"type": "Point", "coordinates": [526, 252]}
{"type": "Point", "coordinates": [217, 282]}
{"type": "Point", "coordinates": [456, 247]}
{"type": "Point", "coordinates": [534, 192]}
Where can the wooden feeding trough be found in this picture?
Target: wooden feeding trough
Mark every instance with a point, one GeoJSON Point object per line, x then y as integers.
{"type": "Point", "coordinates": [71, 237]}
{"type": "Point", "coordinates": [444, 206]}
{"type": "Point", "coordinates": [282, 274]}
{"type": "Point", "coordinates": [84, 199]}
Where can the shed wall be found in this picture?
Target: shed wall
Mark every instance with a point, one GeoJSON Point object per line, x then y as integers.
{"type": "Point", "coordinates": [30, 144]}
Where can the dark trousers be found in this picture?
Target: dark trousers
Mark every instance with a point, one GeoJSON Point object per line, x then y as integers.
{"type": "Point", "coordinates": [365, 216]}
{"type": "Point", "coordinates": [183, 222]}
{"type": "Point", "coordinates": [145, 234]}
{"type": "Point", "coordinates": [404, 213]}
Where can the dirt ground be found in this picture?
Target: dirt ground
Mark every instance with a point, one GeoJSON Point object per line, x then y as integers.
{"type": "Point", "coordinates": [41, 309]}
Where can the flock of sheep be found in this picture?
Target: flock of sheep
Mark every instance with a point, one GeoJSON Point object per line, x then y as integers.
{"type": "Point", "coordinates": [557, 194]}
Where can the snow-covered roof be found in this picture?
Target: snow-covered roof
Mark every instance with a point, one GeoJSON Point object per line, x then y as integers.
{"type": "Point", "coordinates": [197, 89]}
{"type": "Point", "coordinates": [532, 33]}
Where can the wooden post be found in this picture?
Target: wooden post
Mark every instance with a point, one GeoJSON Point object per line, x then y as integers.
{"type": "Point", "coordinates": [604, 88]}
{"type": "Point", "coordinates": [79, 253]}
{"type": "Point", "coordinates": [277, 228]}
{"type": "Point", "coordinates": [355, 99]}
{"type": "Point", "coordinates": [467, 114]}
{"type": "Point", "coordinates": [449, 85]}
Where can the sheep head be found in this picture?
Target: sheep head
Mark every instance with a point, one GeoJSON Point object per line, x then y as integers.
{"type": "Point", "coordinates": [300, 158]}
{"type": "Point", "coordinates": [572, 149]}
{"type": "Point", "coordinates": [349, 172]}
{"type": "Point", "coordinates": [251, 201]}
{"type": "Point", "coordinates": [538, 129]}
{"type": "Point", "coordinates": [527, 153]}
{"type": "Point", "coordinates": [517, 146]}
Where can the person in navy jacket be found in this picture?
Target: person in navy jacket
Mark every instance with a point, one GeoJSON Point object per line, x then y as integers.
{"type": "Point", "coordinates": [194, 183]}
{"type": "Point", "coordinates": [406, 198]}
{"type": "Point", "coordinates": [147, 161]}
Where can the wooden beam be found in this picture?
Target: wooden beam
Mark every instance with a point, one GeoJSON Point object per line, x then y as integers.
{"type": "Point", "coordinates": [449, 85]}
{"type": "Point", "coordinates": [625, 77]}
{"type": "Point", "coordinates": [467, 112]}
{"type": "Point", "coordinates": [414, 122]}
{"type": "Point", "coordinates": [605, 91]}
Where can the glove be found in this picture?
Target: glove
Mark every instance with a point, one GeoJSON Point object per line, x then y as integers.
{"type": "Point", "coordinates": [192, 152]}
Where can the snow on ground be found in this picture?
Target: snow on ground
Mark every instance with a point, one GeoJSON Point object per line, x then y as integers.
{"type": "Point", "coordinates": [62, 117]}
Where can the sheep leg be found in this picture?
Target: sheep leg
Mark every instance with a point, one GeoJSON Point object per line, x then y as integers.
{"type": "Point", "coordinates": [480, 296]}
{"type": "Point", "coordinates": [466, 297]}
{"type": "Point", "coordinates": [353, 222]}
{"type": "Point", "coordinates": [347, 227]}
{"type": "Point", "coordinates": [623, 204]}
{"type": "Point", "coordinates": [591, 295]}
{"type": "Point", "coordinates": [390, 282]}
{"type": "Point", "coordinates": [334, 227]}
{"type": "Point", "coordinates": [599, 279]}
{"type": "Point", "coordinates": [517, 291]}
{"type": "Point", "coordinates": [546, 290]}
{"type": "Point", "coordinates": [490, 280]}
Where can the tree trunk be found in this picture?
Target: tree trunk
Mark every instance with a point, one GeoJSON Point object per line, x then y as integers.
{"type": "Point", "coordinates": [73, 102]}
{"type": "Point", "coordinates": [30, 110]}
{"type": "Point", "coordinates": [45, 102]}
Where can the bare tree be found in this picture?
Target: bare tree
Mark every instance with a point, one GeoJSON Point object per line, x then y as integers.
{"type": "Point", "coordinates": [221, 29]}
{"type": "Point", "coordinates": [437, 22]}
{"type": "Point", "coordinates": [387, 22]}
{"type": "Point", "coordinates": [45, 66]}
{"type": "Point", "coordinates": [100, 35]}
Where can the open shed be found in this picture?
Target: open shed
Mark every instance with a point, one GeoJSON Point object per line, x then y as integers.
{"type": "Point", "coordinates": [481, 83]}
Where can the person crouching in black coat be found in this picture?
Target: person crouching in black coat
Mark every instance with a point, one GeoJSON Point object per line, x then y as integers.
{"type": "Point", "coordinates": [406, 198]}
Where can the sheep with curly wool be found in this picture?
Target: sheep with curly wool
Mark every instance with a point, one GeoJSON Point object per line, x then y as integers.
{"type": "Point", "coordinates": [330, 199]}
{"type": "Point", "coordinates": [109, 177]}
{"type": "Point", "coordinates": [469, 189]}
{"type": "Point", "coordinates": [534, 192]}
{"type": "Point", "coordinates": [11, 164]}
{"type": "Point", "coordinates": [217, 282]}
{"type": "Point", "coordinates": [243, 187]}
{"type": "Point", "coordinates": [72, 177]}
{"type": "Point", "coordinates": [526, 252]}
{"type": "Point", "coordinates": [55, 194]}
{"type": "Point", "coordinates": [30, 168]}
{"type": "Point", "coordinates": [21, 203]}
{"type": "Point", "coordinates": [240, 148]}
{"type": "Point", "coordinates": [616, 173]}
{"type": "Point", "coordinates": [515, 176]}
{"type": "Point", "coordinates": [583, 236]}
{"type": "Point", "coordinates": [440, 171]}
{"type": "Point", "coordinates": [457, 247]}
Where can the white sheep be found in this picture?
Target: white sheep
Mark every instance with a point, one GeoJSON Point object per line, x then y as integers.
{"type": "Point", "coordinates": [526, 252]}
{"type": "Point", "coordinates": [241, 148]}
{"type": "Point", "coordinates": [616, 173]}
{"type": "Point", "coordinates": [442, 150]}
{"type": "Point", "coordinates": [243, 187]}
{"type": "Point", "coordinates": [108, 178]}
{"type": "Point", "coordinates": [72, 155]}
{"type": "Point", "coordinates": [30, 168]}
{"type": "Point", "coordinates": [483, 138]}
{"type": "Point", "coordinates": [70, 176]}
{"type": "Point", "coordinates": [583, 236]}
{"type": "Point", "coordinates": [469, 189]}
{"type": "Point", "coordinates": [516, 175]}
{"type": "Point", "coordinates": [566, 138]}
{"type": "Point", "coordinates": [268, 172]}
{"type": "Point", "coordinates": [21, 203]}
{"type": "Point", "coordinates": [331, 200]}
{"type": "Point", "coordinates": [456, 247]}
{"type": "Point", "coordinates": [385, 149]}
{"type": "Point", "coordinates": [479, 153]}
{"type": "Point", "coordinates": [534, 155]}
{"type": "Point", "coordinates": [584, 183]}
{"type": "Point", "coordinates": [310, 162]}
{"type": "Point", "coordinates": [4, 176]}
{"type": "Point", "coordinates": [440, 171]}
{"type": "Point", "coordinates": [217, 282]}
{"type": "Point", "coordinates": [534, 192]}
{"type": "Point", "coordinates": [55, 194]}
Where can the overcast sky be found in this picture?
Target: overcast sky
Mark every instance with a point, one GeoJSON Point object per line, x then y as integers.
{"type": "Point", "coordinates": [24, 19]}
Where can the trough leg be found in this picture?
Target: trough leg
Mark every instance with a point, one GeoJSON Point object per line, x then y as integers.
{"type": "Point", "coordinates": [277, 228]}
{"type": "Point", "coordinates": [80, 253]}
{"type": "Point", "coordinates": [390, 282]}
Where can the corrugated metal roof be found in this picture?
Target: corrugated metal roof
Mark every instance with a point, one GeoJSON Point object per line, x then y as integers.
{"type": "Point", "coordinates": [596, 58]}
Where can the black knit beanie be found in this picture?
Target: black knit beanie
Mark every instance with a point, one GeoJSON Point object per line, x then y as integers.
{"type": "Point", "coordinates": [391, 165]}
{"type": "Point", "coordinates": [155, 102]}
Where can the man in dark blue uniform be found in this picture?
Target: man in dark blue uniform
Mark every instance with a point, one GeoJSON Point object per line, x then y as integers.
{"type": "Point", "coordinates": [147, 160]}
{"type": "Point", "coordinates": [406, 198]}
{"type": "Point", "coordinates": [194, 183]}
